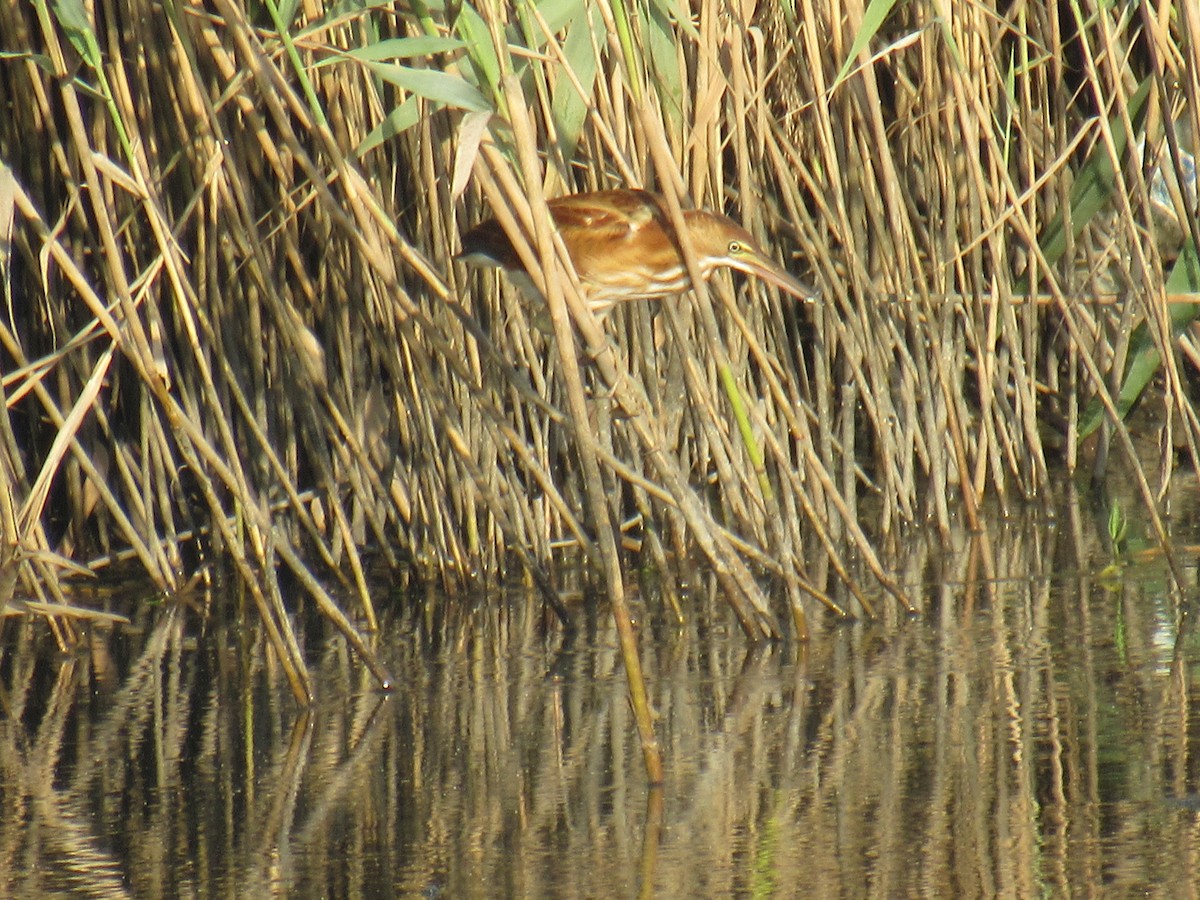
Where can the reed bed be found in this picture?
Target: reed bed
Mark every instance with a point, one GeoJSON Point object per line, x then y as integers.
{"type": "Point", "coordinates": [234, 323]}
{"type": "Point", "coordinates": [1040, 734]}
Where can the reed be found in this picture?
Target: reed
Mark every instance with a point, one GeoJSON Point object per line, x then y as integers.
{"type": "Point", "coordinates": [234, 320]}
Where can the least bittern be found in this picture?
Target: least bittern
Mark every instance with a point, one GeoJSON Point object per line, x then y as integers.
{"type": "Point", "coordinates": [623, 247]}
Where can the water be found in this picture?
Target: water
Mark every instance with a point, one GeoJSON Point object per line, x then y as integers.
{"type": "Point", "coordinates": [1030, 734]}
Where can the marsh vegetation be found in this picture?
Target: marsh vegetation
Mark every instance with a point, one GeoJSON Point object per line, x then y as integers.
{"type": "Point", "coordinates": [234, 325]}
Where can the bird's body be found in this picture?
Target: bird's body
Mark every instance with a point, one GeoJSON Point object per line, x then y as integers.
{"type": "Point", "coordinates": [623, 247]}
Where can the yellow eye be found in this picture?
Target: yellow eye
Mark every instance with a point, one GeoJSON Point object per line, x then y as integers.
{"type": "Point", "coordinates": [735, 248]}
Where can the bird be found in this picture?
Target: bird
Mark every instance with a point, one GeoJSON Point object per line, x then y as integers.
{"type": "Point", "coordinates": [623, 247]}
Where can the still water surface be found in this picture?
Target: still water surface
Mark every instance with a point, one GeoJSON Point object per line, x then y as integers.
{"type": "Point", "coordinates": [1030, 734]}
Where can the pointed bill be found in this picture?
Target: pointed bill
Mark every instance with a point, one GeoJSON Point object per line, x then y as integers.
{"type": "Point", "coordinates": [756, 264]}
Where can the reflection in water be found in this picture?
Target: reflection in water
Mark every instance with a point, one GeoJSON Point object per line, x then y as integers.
{"type": "Point", "coordinates": [1030, 734]}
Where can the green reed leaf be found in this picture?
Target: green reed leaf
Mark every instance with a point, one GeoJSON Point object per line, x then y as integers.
{"type": "Point", "coordinates": [1094, 185]}
{"type": "Point", "coordinates": [420, 46]}
{"type": "Point", "coordinates": [440, 87]}
{"type": "Point", "coordinates": [400, 119]}
{"type": "Point", "coordinates": [73, 19]}
{"type": "Point", "coordinates": [569, 109]}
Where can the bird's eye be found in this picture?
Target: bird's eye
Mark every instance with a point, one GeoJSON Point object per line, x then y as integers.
{"type": "Point", "coordinates": [735, 247]}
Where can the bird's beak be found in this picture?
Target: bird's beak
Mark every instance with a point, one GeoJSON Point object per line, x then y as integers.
{"type": "Point", "coordinates": [760, 266]}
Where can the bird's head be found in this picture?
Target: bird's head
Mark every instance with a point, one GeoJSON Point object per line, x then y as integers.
{"type": "Point", "coordinates": [720, 242]}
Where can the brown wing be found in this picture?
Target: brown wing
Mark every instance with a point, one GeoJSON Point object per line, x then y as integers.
{"type": "Point", "coordinates": [612, 236]}
{"type": "Point", "coordinates": [619, 242]}
{"type": "Point", "coordinates": [599, 218]}
{"type": "Point", "coordinates": [604, 215]}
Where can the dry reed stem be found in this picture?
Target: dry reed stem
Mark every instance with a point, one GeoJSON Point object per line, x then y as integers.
{"type": "Point", "coordinates": [300, 370]}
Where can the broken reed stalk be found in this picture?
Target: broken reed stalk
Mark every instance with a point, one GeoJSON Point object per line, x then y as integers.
{"type": "Point", "coordinates": [585, 441]}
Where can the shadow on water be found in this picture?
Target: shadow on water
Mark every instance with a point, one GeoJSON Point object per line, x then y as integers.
{"type": "Point", "coordinates": [1030, 733]}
